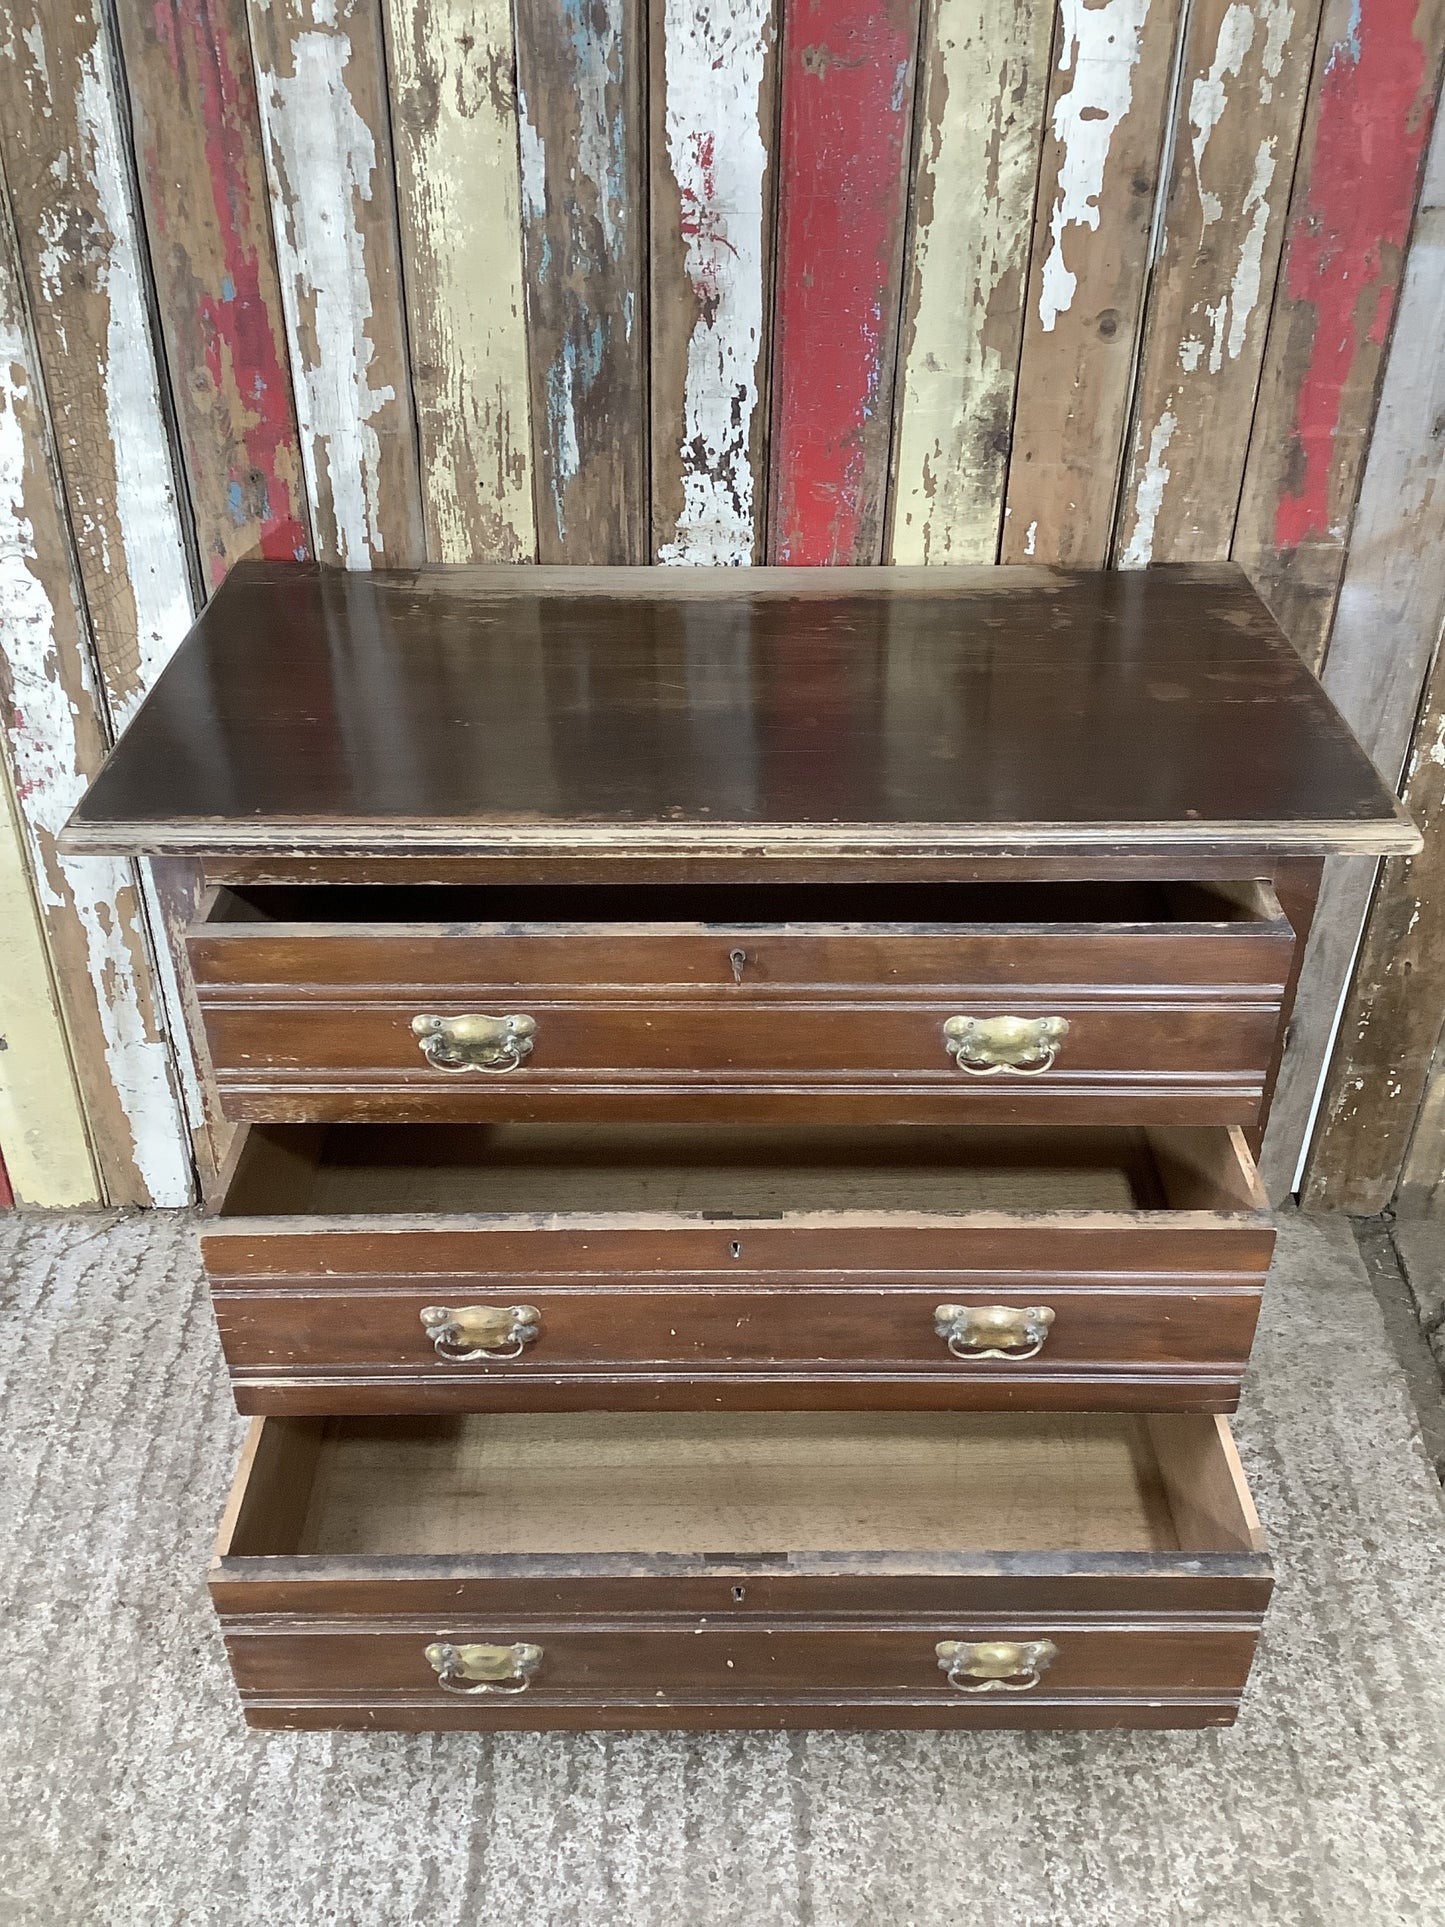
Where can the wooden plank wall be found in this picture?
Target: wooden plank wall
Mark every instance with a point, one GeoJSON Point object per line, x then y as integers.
{"type": "Point", "coordinates": [1102, 282]}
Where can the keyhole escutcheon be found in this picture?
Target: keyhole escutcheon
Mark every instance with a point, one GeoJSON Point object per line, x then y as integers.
{"type": "Point", "coordinates": [738, 959]}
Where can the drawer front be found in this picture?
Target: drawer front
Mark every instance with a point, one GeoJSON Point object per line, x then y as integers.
{"type": "Point", "coordinates": [354, 1344]}
{"type": "Point", "coordinates": [1156, 1024]}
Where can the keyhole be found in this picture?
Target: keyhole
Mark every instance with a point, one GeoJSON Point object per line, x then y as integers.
{"type": "Point", "coordinates": [736, 1249]}
{"type": "Point", "coordinates": [738, 959]}
{"type": "Point", "coordinates": [740, 1593]}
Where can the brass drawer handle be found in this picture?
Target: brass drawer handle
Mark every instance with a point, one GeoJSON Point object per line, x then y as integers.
{"type": "Point", "coordinates": [994, 1331]}
{"type": "Point", "coordinates": [483, 1669]}
{"type": "Point", "coordinates": [481, 1331]}
{"type": "Point", "coordinates": [989, 1046]}
{"type": "Point", "coordinates": [995, 1665]}
{"type": "Point", "coordinates": [475, 1042]}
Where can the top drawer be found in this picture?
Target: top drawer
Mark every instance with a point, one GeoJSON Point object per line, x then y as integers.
{"type": "Point", "coordinates": [1006, 1003]}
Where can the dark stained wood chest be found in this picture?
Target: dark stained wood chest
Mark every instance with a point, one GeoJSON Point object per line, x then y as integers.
{"type": "Point", "coordinates": [741, 1209]}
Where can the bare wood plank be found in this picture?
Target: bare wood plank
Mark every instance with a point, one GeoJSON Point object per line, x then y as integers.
{"type": "Point", "coordinates": [1108, 104]}
{"type": "Point", "coordinates": [1422, 1181]}
{"type": "Point", "coordinates": [54, 741]}
{"type": "Point", "coordinates": [203, 187]}
{"type": "Point", "coordinates": [454, 121]}
{"type": "Point", "coordinates": [42, 1124]}
{"type": "Point", "coordinates": [1245, 74]}
{"type": "Point", "coordinates": [847, 111]}
{"type": "Point", "coordinates": [981, 104]}
{"type": "Point", "coordinates": [1390, 614]}
{"type": "Point", "coordinates": [321, 85]}
{"type": "Point", "coordinates": [1372, 100]}
{"type": "Point", "coordinates": [713, 185]}
{"type": "Point", "coordinates": [579, 79]}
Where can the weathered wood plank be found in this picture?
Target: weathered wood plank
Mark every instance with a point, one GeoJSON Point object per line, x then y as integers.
{"type": "Point", "coordinates": [1421, 1192]}
{"type": "Point", "coordinates": [1108, 103]}
{"type": "Point", "coordinates": [1244, 79]}
{"type": "Point", "coordinates": [1391, 608]}
{"type": "Point", "coordinates": [713, 107]}
{"type": "Point", "coordinates": [580, 67]}
{"type": "Point", "coordinates": [42, 1125]}
{"type": "Point", "coordinates": [454, 122]}
{"type": "Point", "coordinates": [54, 740]}
{"type": "Point", "coordinates": [1372, 100]}
{"type": "Point", "coordinates": [203, 188]}
{"type": "Point", "coordinates": [847, 112]}
{"type": "Point", "coordinates": [984, 76]}
{"type": "Point", "coordinates": [320, 75]}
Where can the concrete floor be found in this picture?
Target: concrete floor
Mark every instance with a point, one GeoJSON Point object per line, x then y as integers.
{"type": "Point", "coordinates": [130, 1793]}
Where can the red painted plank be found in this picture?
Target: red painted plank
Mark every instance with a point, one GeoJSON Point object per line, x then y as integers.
{"type": "Point", "coordinates": [847, 117]}
{"type": "Point", "coordinates": [7, 1196]}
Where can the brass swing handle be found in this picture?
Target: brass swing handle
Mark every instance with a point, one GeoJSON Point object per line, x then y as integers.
{"type": "Point", "coordinates": [481, 1331]}
{"type": "Point", "coordinates": [995, 1665]}
{"type": "Point", "coordinates": [483, 1669]}
{"type": "Point", "coordinates": [990, 1046]}
{"type": "Point", "coordinates": [994, 1331]}
{"type": "Point", "coordinates": [474, 1042]}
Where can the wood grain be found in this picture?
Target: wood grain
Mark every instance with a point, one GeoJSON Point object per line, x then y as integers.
{"type": "Point", "coordinates": [1244, 78]}
{"type": "Point", "coordinates": [1108, 103]}
{"type": "Point", "coordinates": [321, 82]}
{"type": "Point", "coordinates": [55, 741]}
{"type": "Point", "coordinates": [580, 69]}
{"type": "Point", "coordinates": [1386, 627]}
{"type": "Point", "coordinates": [197, 140]}
{"type": "Point", "coordinates": [1372, 100]}
{"type": "Point", "coordinates": [713, 107]}
{"type": "Point", "coordinates": [454, 122]}
{"type": "Point", "coordinates": [847, 112]}
{"type": "Point", "coordinates": [981, 94]}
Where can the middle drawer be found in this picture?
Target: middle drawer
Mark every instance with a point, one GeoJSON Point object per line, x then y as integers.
{"type": "Point", "coordinates": [375, 1268]}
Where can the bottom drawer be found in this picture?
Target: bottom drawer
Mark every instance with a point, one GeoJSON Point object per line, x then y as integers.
{"type": "Point", "coordinates": [800, 1569]}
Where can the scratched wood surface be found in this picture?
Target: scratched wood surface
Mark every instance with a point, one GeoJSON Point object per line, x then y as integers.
{"type": "Point", "coordinates": [203, 189]}
{"type": "Point", "coordinates": [1390, 614]}
{"type": "Point", "coordinates": [580, 109]}
{"type": "Point", "coordinates": [1373, 90]}
{"type": "Point", "coordinates": [1109, 101]}
{"type": "Point", "coordinates": [321, 82]}
{"type": "Point", "coordinates": [713, 104]}
{"type": "Point", "coordinates": [847, 114]}
{"type": "Point", "coordinates": [55, 738]}
{"type": "Point", "coordinates": [454, 121]}
{"type": "Point", "coordinates": [1241, 104]}
{"type": "Point", "coordinates": [980, 111]}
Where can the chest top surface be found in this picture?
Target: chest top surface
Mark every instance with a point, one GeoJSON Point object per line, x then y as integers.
{"type": "Point", "coordinates": [475, 710]}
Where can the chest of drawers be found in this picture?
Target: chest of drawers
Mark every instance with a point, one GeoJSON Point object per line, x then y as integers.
{"type": "Point", "coordinates": [740, 1208]}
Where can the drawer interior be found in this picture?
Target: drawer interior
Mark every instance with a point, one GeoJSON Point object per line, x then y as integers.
{"type": "Point", "coordinates": [931, 906]}
{"type": "Point", "coordinates": [736, 1171]}
{"type": "Point", "coordinates": [720, 1485]}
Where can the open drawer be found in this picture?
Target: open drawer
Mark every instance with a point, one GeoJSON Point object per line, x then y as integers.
{"type": "Point", "coordinates": [376, 1268]}
{"type": "Point", "coordinates": [1030, 1002]}
{"type": "Point", "coordinates": [741, 1570]}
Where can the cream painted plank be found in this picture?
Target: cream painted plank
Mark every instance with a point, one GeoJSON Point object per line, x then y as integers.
{"type": "Point", "coordinates": [981, 105]}
{"type": "Point", "coordinates": [454, 122]}
{"type": "Point", "coordinates": [320, 80]}
{"type": "Point", "coordinates": [1245, 75]}
{"type": "Point", "coordinates": [42, 1125]}
{"type": "Point", "coordinates": [1109, 103]}
{"type": "Point", "coordinates": [713, 102]}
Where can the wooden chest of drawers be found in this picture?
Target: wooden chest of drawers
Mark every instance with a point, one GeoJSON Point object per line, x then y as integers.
{"type": "Point", "coordinates": [740, 1210]}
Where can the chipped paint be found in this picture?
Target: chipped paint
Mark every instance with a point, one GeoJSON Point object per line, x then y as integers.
{"type": "Point", "coordinates": [1150, 494]}
{"type": "Point", "coordinates": [323, 164]}
{"type": "Point", "coordinates": [1100, 46]}
{"type": "Point", "coordinates": [981, 103]}
{"type": "Point", "coordinates": [846, 121]}
{"type": "Point", "coordinates": [97, 893]}
{"type": "Point", "coordinates": [715, 68]}
{"type": "Point", "coordinates": [454, 118]}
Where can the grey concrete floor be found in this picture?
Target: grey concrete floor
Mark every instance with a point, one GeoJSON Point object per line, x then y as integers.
{"type": "Point", "coordinates": [130, 1792]}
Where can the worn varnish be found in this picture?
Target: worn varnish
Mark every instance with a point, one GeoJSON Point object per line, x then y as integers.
{"type": "Point", "coordinates": [847, 113]}
{"type": "Point", "coordinates": [898, 713]}
{"type": "Point", "coordinates": [580, 92]}
{"type": "Point", "coordinates": [454, 123]}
